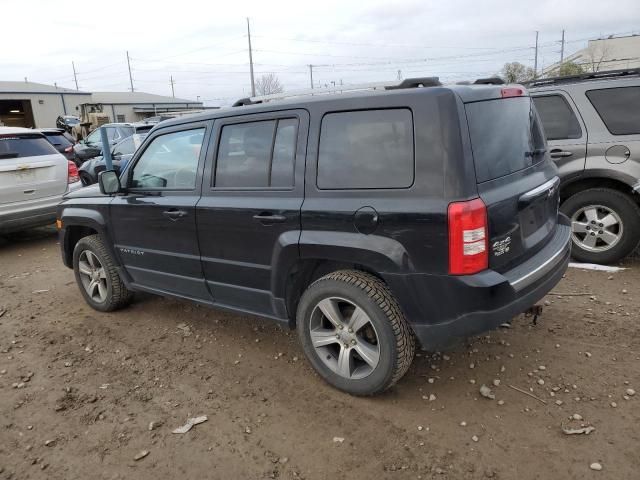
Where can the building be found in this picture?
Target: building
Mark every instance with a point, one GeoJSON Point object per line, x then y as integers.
{"type": "Point", "coordinates": [135, 106]}
{"type": "Point", "coordinates": [610, 53]}
{"type": "Point", "coordinates": [28, 104]}
{"type": "Point", "coordinates": [36, 105]}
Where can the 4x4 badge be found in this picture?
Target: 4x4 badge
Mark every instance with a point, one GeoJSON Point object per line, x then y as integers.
{"type": "Point", "coordinates": [501, 246]}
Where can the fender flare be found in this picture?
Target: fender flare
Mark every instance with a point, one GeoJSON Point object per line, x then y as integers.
{"type": "Point", "coordinates": [377, 253]}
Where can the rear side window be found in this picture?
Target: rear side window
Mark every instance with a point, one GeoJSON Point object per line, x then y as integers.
{"type": "Point", "coordinates": [257, 154]}
{"type": "Point", "coordinates": [366, 149]}
{"type": "Point", "coordinates": [19, 146]}
{"type": "Point", "coordinates": [505, 136]}
{"type": "Point", "coordinates": [619, 108]}
{"type": "Point", "coordinates": [558, 120]}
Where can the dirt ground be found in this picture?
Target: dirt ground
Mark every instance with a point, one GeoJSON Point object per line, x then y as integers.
{"type": "Point", "coordinates": [79, 389]}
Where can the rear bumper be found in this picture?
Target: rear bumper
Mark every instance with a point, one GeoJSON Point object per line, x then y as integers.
{"type": "Point", "coordinates": [443, 309]}
{"type": "Point", "coordinates": [33, 213]}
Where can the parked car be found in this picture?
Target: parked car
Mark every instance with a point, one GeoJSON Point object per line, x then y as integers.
{"type": "Point", "coordinates": [61, 140]}
{"type": "Point", "coordinates": [92, 145]}
{"type": "Point", "coordinates": [33, 178]}
{"type": "Point", "coordinates": [592, 124]}
{"type": "Point", "coordinates": [365, 220]}
{"type": "Point", "coordinates": [67, 122]}
{"type": "Point", "coordinates": [120, 156]}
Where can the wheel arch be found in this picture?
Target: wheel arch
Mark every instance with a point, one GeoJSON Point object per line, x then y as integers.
{"type": "Point", "coordinates": [599, 179]}
{"type": "Point", "coordinates": [77, 224]}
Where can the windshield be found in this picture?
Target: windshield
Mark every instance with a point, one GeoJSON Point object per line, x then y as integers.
{"type": "Point", "coordinates": [505, 136]}
{"type": "Point", "coordinates": [71, 121]}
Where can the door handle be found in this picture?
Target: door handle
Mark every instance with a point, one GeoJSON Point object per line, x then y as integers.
{"type": "Point", "coordinates": [267, 218]}
{"type": "Point", "coordinates": [174, 214]}
{"type": "Point", "coordinates": [557, 153]}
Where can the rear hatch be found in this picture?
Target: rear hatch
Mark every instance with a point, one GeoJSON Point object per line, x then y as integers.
{"type": "Point", "coordinates": [30, 168]}
{"type": "Point", "coordinates": [516, 180]}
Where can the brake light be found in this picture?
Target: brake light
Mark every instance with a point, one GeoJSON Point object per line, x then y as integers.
{"type": "Point", "coordinates": [512, 92]}
{"type": "Point", "coordinates": [73, 175]}
{"type": "Point", "coordinates": [468, 235]}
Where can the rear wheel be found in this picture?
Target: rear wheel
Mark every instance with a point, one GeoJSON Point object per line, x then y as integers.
{"type": "Point", "coordinates": [605, 225]}
{"type": "Point", "coordinates": [86, 179]}
{"type": "Point", "coordinates": [353, 332]}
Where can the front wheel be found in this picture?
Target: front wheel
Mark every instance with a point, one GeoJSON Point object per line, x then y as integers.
{"type": "Point", "coordinates": [605, 225]}
{"type": "Point", "coordinates": [97, 276]}
{"type": "Point", "coordinates": [353, 332]}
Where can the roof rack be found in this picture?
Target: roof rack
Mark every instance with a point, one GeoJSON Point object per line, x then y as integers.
{"type": "Point", "coordinates": [625, 72]}
{"type": "Point", "coordinates": [406, 83]}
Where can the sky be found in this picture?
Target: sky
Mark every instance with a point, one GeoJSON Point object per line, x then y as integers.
{"type": "Point", "coordinates": [203, 44]}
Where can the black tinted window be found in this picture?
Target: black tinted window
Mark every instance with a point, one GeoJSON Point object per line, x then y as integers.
{"type": "Point", "coordinates": [558, 120]}
{"type": "Point", "coordinates": [366, 149]}
{"type": "Point", "coordinates": [257, 154]}
{"type": "Point", "coordinates": [18, 146]}
{"type": "Point", "coordinates": [58, 139]}
{"type": "Point", "coordinates": [170, 161]}
{"type": "Point", "coordinates": [505, 136]}
{"type": "Point", "coordinates": [284, 153]}
{"type": "Point", "coordinates": [619, 108]}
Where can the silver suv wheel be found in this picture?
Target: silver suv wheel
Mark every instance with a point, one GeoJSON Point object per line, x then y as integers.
{"type": "Point", "coordinates": [596, 228]}
{"type": "Point", "coordinates": [344, 338]}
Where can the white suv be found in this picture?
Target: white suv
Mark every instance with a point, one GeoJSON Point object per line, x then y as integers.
{"type": "Point", "coordinates": [33, 178]}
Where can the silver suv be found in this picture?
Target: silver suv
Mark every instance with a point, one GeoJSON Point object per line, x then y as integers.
{"type": "Point", "coordinates": [592, 124]}
{"type": "Point", "coordinates": [33, 178]}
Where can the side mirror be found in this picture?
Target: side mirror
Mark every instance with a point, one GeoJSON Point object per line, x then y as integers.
{"type": "Point", "coordinates": [109, 182]}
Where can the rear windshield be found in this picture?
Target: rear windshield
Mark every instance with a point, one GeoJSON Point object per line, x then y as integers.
{"type": "Point", "coordinates": [58, 139]}
{"type": "Point", "coordinates": [505, 136]}
{"type": "Point", "coordinates": [18, 146]}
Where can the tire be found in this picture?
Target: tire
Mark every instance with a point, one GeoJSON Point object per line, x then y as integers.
{"type": "Point", "coordinates": [86, 179]}
{"type": "Point", "coordinates": [607, 203]}
{"type": "Point", "coordinates": [382, 329]}
{"type": "Point", "coordinates": [116, 296]}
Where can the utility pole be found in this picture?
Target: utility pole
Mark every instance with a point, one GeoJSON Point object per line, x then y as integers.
{"type": "Point", "coordinates": [535, 62]}
{"type": "Point", "coordinates": [399, 74]}
{"type": "Point", "coordinates": [311, 74]}
{"type": "Point", "coordinates": [173, 93]}
{"type": "Point", "coordinates": [75, 76]}
{"type": "Point", "coordinates": [562, 48]}
{"type": "Point", "coordinates": [129, 65]}
{"type": "Point", "coordinates": [253, 83]}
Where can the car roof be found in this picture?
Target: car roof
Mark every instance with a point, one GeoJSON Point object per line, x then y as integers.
{"type": "Point", "coordinates": [16, 130]}
{"type": "Point", "coordinates": [49, 130]}
{"type": "Point", "coordinates": [467, 93]}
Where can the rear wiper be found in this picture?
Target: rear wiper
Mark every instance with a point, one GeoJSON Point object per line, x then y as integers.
{"type": "Point", "coordinates": [537, 151]}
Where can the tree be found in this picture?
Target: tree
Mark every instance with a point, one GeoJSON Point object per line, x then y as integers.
{"type": "Point", "coordinates": [515, 72]}
{"type": "Point", "coordinates": [570, 68]}
{"type": "Point", "coordinates": [268, 84]}
{"type": "Point", "coordinates": [597, 52]}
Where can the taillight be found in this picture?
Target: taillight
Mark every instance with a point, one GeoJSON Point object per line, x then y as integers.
{"type": "Point", "coordinates": [512, 92]}
{"type": "Point", "coordinates": [468, 236]}
{"type": "Point", "coordinates": [73, 175]}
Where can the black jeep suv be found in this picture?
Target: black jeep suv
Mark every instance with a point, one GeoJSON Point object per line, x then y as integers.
{"type": "Point", "coordinates": [365, 220]}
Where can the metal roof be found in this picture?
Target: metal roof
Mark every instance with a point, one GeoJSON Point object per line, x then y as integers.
{"type": "Point", "coordinates": [137, 98]}
{"type": "Point", "coordinates": [41, 88]}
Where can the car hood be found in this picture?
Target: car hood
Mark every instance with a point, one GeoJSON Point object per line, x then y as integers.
{"type": "Point", "coordinates": [92, 191]}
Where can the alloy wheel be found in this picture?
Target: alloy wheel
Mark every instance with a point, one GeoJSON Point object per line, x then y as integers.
{"type": "Point", "coordinates": [93, 276]}
{"type": "Point", "coordinates": [596, 228]}
{"type": "Point", "coordinates": [344, 338]}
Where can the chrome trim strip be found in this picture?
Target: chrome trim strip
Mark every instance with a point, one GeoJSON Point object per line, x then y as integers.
{"type": "Point", "coordinates": [541, 270]}
{"type": "Point", "coordinates": [549, 185]}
